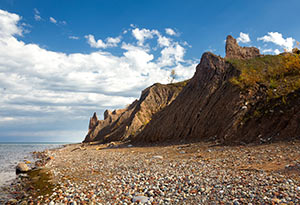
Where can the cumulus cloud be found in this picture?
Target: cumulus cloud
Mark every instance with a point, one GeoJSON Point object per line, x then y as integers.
{"type": "Point", "coordinates": [171, 55]}
{"type": "Point", "coordinates": [109, 42]}
{"type": "Point", "coordinates": [8, 24]}
{"type": "Point", "coordinates": [163, 41]}
{"type": "Point", "coordinates": [142, 34]}
{"type": "Point", "coordinates": [46, 90]}
{"type": "Point", "coordinates": [170, 32]}
{"type": "Point", "coordinates": [243, 38]}
{"type": "Point", "coordinates": [277, 38]}
{"type": "Point", "coordinates": [52, 20]}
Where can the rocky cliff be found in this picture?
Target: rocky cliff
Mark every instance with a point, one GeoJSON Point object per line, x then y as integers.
{"type": "Point", "coordinates": [242, 98]}
{"type": "Point", "coordinates": [124, 124]}
{"type": "Point", "coordinates": [228, 102]}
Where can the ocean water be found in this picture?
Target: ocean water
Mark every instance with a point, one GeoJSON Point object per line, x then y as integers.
{"type": "Point", "coordinates": [13, 153]}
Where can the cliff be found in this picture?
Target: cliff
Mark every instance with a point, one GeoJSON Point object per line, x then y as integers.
{"type": "Point", "coordinates": [242, 98]}
{"type": "Point", "coordinates": [123, 124]}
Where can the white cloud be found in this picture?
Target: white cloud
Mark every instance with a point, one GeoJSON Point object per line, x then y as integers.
{"type": "Point", "coordinates": [113, 41]}
{"type": "Point", "coordinates": [110, 42]}
{"type": "Point", "coordinates": [268, 50]}
{"type": "Point", "coordinates": [271, 51]}
{"type": "Point", "coordinates": [52, 20]}
{"type": "Point", "coordinates": [74, 37]}
{"type": "Point", "coordinates": [8, 24]}
{"type": "Point", "coordinates": [51, 89]}
{"type": "Point", "coordinates": [243, 38]}
{"type": "Point", "coordinates": [170, 32]}
{"type": "Point", "coordinates": [276, 38]}
{"type": "Point", "coordinates": [142, 34]}
{"type": "Point", "coordinates": [276, 51]}
{"type": "Point", "coordinates": [36, 11]}
{"type": "Point", "coordinates": [171, 55]}
{"type": "Point", "coordinates": [163, 41]}
{"type": "Point", "coordinates": [37, 15]}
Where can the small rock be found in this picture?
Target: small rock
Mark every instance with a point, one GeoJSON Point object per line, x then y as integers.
{"type": "Point", "coordinates": [141, 199]}
{"type": "Point", "coordinates": [158, 157]}
{"type": "Point", "coordinates": [12, 201]}
{"type": "Point", "coordinates": [22, 168]}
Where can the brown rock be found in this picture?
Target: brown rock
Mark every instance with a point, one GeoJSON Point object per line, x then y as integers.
{"type": "Point", "coordinates": [93, 121]}
{"type": "Point", "coordinates": [22, 168]}
{"type": "Point", "coordinates": [125, 123]}
{"type": "Point", "coordinates": [209, 107]}
{"type": "Point", "coordinates": [233, 50]}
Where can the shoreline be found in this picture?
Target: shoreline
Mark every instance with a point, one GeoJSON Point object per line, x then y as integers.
{"type": "Point", "coordinates": [35, 159]}
{"type": "Point", "coordinates": [184, 174]}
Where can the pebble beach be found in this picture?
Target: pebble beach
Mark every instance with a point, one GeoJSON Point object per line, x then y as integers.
{"type": "Point", "coordinates": [197, 173]}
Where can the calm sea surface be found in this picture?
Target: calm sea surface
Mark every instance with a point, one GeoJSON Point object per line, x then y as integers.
{"type": "Point", "coordinates": [13, 153]}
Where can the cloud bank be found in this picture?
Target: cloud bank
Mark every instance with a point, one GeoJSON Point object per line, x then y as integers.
{"type": "Point", "coordinates": [53, 92]}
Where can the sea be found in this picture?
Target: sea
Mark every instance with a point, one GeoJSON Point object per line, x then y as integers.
{"type": "Point", "coordinates": [11, 153]}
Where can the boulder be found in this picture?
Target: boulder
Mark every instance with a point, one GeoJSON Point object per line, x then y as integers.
{"type": "Point", "coordinates": [22, 168]}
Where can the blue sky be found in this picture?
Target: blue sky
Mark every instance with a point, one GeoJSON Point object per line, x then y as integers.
{"type": "Point", "coordinates": [62, 60]}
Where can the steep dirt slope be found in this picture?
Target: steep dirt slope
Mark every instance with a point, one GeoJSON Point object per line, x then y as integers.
{"type": "Point", "coordinates": [212, 107]}
{"type": "Point", "coordinates": [125, 123]}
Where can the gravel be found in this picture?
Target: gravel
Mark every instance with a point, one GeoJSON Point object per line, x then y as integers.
{"type": "Point", "coordinates": [188, 174]}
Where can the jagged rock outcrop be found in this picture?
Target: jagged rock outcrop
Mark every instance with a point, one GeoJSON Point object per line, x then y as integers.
{"type": "Point", "coordinates": [234, 51]}
{"type": "Point", "coordinates": [125, 123]}
{"type": "Point", "coordinates": [93, 122]}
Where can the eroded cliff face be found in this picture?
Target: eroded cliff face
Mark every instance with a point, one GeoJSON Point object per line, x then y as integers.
{"type": "Point", "coordinates": [123, 124]}
{"type": "Point", "coordinates": [209, 107]}
{"type": "Point", "coordinates": [212, 108]}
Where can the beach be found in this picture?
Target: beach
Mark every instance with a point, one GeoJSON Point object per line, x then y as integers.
{"type": "Point", "coordinates": [196, 173]}
{"type": "Point", "coordinates": [11, 153]}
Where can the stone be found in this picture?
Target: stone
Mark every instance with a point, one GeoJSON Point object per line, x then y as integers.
{"type": "Point", "coordinates": [141, 199]}
{"type": "Point", "coordinates": [234, 51]}
{"type": "Point", "coordinates": [22, 168]}
{"type": "Point", "coordinates": [12, 201]}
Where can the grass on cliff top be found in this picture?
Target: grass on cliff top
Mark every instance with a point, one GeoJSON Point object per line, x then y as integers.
{"type": "Point", "coordinates": [280, 74]}
{"type": "Point", "coordinates": [179, 85]}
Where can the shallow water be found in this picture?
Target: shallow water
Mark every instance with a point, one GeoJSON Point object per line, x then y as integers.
{"type": "Point", "coordinates": [13, 153]}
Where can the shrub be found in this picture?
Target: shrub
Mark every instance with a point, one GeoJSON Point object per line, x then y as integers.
{"type": "Point", "coordinates": [280, 74]}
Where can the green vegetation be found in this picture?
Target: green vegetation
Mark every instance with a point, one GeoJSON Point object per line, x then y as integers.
{"type": "Point", "coordinates": [179, 85]}
{"type": "Point", "coordinates": [279, 74]}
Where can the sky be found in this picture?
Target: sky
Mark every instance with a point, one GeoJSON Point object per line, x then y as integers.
{"type": "Point", "coordinates": [61, 61]}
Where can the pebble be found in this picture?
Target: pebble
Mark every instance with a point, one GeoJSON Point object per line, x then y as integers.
{"type": "Point", "coordinates": [141, 199]}
{"type": "Point", "coordinates": [119, 176]}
